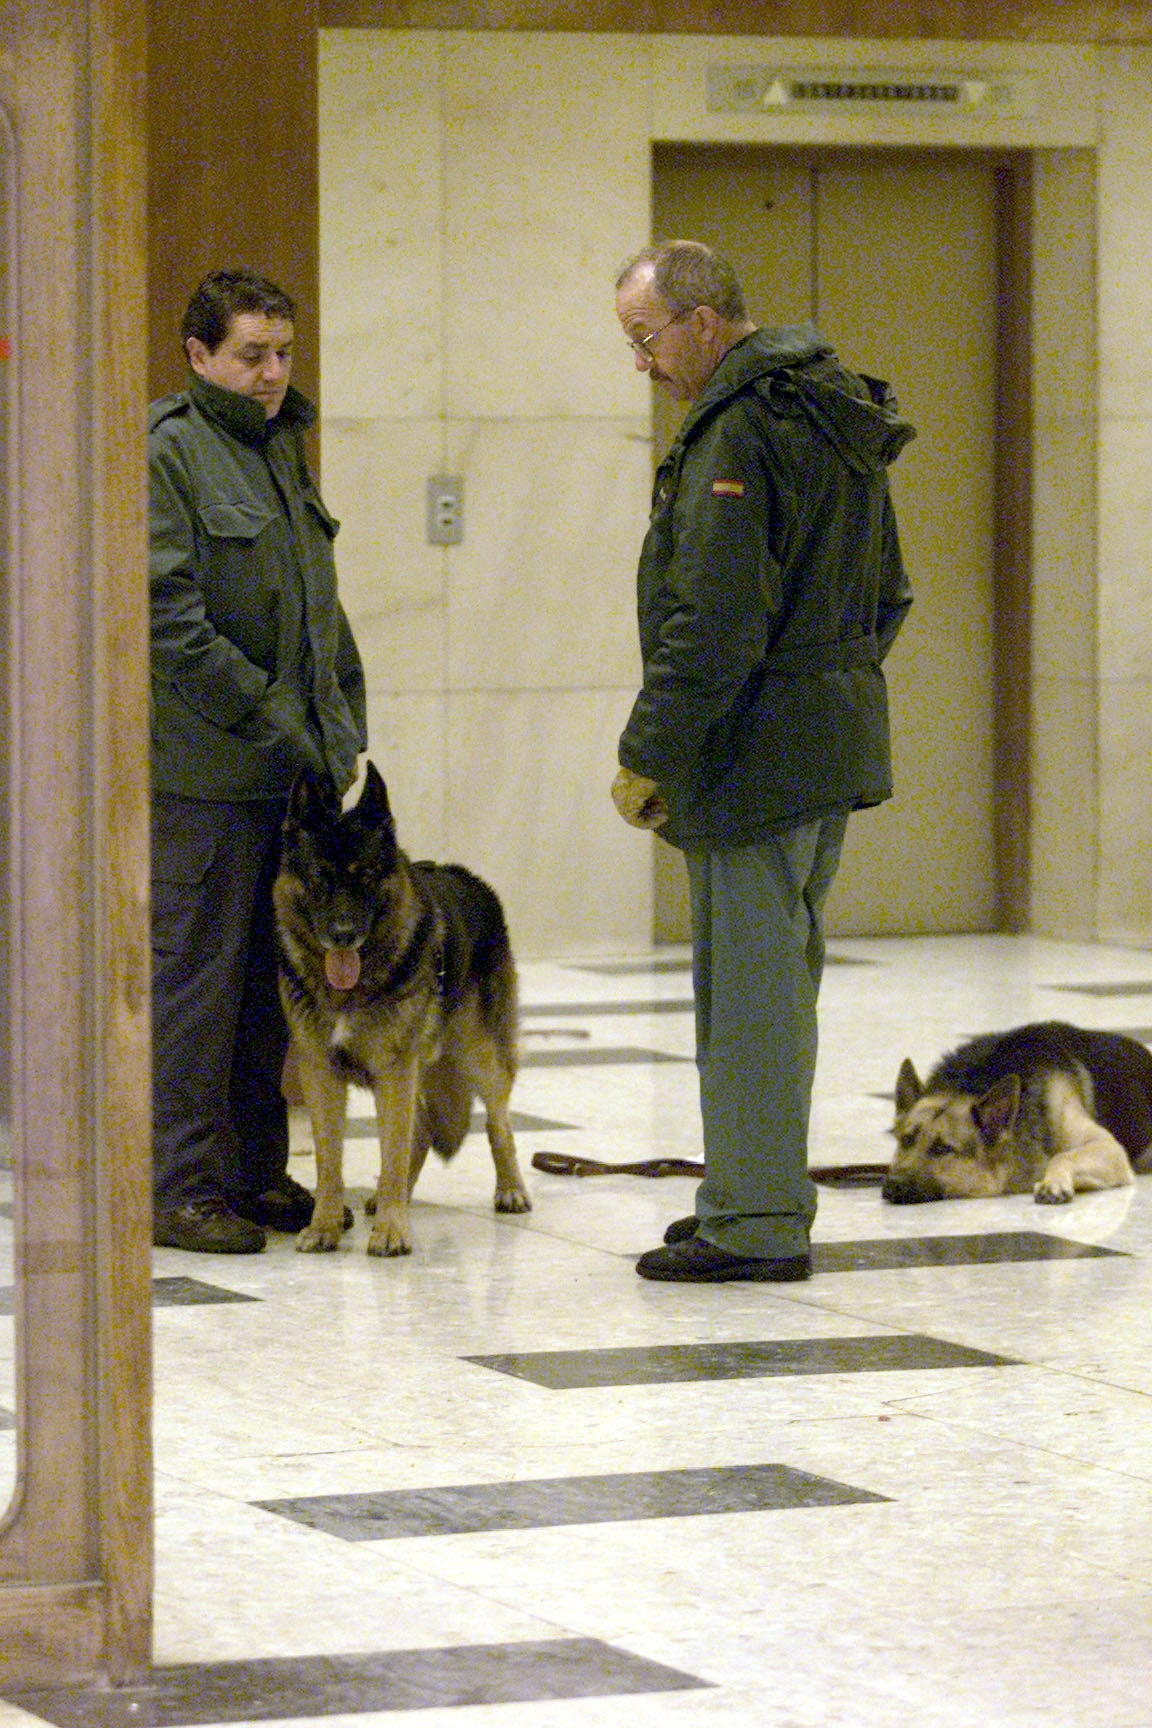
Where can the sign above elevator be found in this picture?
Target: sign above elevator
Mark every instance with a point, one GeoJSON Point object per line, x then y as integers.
{"type": "Point", "coordinates": [804, 89]}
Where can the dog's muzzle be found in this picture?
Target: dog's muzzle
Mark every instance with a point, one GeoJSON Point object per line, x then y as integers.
{"type": "Point", "coordinates": [902, 1191]}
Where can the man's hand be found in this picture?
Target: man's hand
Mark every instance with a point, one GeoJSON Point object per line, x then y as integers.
{"type": "Point", "coordinates": [638, 800]}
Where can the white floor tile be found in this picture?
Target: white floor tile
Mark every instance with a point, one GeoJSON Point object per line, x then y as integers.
{"type": "Point", "coordinates": [1004, 1580]}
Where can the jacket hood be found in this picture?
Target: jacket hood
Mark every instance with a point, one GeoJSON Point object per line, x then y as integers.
{"type": "Point", "coordinates": [797, 371]}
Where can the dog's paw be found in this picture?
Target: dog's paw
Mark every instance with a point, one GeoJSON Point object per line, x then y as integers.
{"type": "Point", "coordinates": [1053, 1192]}
{"type": "Point", "coordinates": [512, 1200]}
{"type": "Point", "coordinates": [385, 1247]}
{"type": "Point", "coordinates": [390, 1237]}
{"type": "Point", "coordinates": [318, 1239]}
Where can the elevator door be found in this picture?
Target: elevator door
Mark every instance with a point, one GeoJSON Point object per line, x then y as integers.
{"type": "Point", "coordinates": [893, 255]}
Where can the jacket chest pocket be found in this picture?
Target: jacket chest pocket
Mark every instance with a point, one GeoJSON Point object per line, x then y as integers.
{"type": "Point", "coordinates": [241, 522]}
{"type": "Point", "coordinates": [246, 554]}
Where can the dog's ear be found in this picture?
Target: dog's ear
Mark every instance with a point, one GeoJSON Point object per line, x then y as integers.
{"type": "Point", "coordinates": [372, 807]}
{"type": "Point", "coordinates": [312, 798]}
{"type": "Point", "coordinates": [908, 1087]}
{"type": "Point", "coordinates": [995, 1113]}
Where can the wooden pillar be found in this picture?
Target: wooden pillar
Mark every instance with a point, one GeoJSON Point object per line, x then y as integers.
{"type": "Point", "coordinates": [76, 1537]}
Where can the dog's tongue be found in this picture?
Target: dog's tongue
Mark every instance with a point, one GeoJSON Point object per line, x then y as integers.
{"type": "Point", "coordinates": [342, 967]}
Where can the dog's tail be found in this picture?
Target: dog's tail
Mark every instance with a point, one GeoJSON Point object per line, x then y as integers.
{"type": "Point", "coordinates": [445, 1109]}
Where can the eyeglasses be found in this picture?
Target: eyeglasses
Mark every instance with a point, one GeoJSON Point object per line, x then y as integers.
{"type": "Point", "coordinates": [642, 345]}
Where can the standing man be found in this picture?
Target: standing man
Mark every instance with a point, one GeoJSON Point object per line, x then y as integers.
{"type": "Point", "coordinates": [770, 589]}
{"type": "Point", "coordinates": [254, 676]}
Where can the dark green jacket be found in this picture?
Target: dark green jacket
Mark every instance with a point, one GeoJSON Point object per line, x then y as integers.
{"type": "Point", "coordinates": [254, 670]}
{"type": "Point", "coordinates": [770, 589]}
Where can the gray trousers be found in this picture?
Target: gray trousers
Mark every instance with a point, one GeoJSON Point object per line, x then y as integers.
{"type": "Point", "coordinates": [219, 1118]}
{"type": "Point", "coordinates": [757, 959]}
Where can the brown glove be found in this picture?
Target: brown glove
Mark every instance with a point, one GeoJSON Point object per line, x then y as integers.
{"type": "Point", "coordinates": [638, 800]}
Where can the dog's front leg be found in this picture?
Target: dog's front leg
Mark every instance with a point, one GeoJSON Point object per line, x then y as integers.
{"type": "Point", "coordinates": [1099, 1161]}
{"type": "Point", "coordinates": [396, 1120]}
{"type": "Point", "coordinates": [326, 1098]}
{"type": "Point", "coordinates": [1090, 1157]}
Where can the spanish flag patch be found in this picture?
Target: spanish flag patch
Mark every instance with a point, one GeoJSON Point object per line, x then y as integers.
{"type": "Point", "coordinates": [727, 488]}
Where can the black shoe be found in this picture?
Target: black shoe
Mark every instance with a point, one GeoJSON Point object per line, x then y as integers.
{"type": "Point", "coordinates": [695, 1261]}
{"type": "Point", "coordinates": [206, 1226]}
{"type": "Point", "coordinates": [285, 1207]}
{"type": "Point", "coordinates": [682, 1229]}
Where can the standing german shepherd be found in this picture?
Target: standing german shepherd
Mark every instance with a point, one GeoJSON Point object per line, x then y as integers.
{"type": "Point", "coordinates": [398, 977]}
{"type": "Point", "coordinates": [1047, 1108]}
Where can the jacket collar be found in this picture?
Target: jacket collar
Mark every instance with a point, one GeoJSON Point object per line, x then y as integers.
{"type": "Point", "coordinates": [753, 356]}
{"type": "Point", "coordinates": [244, 419]}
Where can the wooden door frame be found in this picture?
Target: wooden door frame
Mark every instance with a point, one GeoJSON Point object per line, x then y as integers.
{"type": "Point", "coordinates": [1013, 467]}
{"type": "Point", "coordinates": [76, 1540]}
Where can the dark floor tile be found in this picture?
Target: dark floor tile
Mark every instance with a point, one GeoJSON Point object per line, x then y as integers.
{"type": "Point", "coordinates": [637, 968]}
{"type": "Point", "coordinates": [551, 1501]}
{"type": "Point", "coordinates": [276, 1690]}
{"type": "Point", "coordinates": [601, 1056]}
{"type": "Point", "coordinates": [667, 1364]}
{"type": "Point", "coordinates": [524, 1124]}
{"type": "Point", "coordinates": [166, 1293]}
{"type": "Point", "coordinates": [1106, 990]}
{"type": "Point", "coordinates": [7, 1419]}
{"type": "Point", "coordinates": [1142, 1034]}
{"type": "Point", "coordinates": [364, 1127]}
{"type": "Point", "coordinates": [996, 1248]}
{"type": "Point", "coordinates": [558, 1034]}
{"type": "Point", "coordinates": [6, 1209]}
{"type": "Point", "coordinates": [192, 1293]}
{"type": "Point", "coordinates": [578, 1010]}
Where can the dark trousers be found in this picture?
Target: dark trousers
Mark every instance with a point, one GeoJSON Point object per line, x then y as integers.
{"type": "Point", "coordinates": [758, 957]}
{"type": "Point", "coordinates": [219, 1118]}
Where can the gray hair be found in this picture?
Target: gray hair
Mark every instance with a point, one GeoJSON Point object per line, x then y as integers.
{"type": "Point", "coordinates": [687, 274]}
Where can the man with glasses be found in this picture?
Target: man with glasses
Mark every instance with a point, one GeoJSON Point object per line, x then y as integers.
{"type": "Point", "coordinates": [770, 589]}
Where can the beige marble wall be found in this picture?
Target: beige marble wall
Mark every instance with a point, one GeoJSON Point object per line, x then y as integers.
{"type": "Point", "coordinates": [477, 192]}
{"type": "Point", "coordinates": [1124, 462]}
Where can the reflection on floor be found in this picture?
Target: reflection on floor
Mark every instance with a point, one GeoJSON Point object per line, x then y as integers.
{"type": "Point", "coordinates": [504, 1481]}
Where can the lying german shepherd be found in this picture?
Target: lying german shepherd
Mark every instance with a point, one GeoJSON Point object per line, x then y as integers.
{"type": "Point", "coordinates": [1047, 1108]}
{"type": "Point", "coordinates": [398, 977]}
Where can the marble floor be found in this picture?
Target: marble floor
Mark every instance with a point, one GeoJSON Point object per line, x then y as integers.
{"type": "Point", "coordinates": [506, 1482]}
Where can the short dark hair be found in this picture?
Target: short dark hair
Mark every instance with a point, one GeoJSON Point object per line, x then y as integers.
{"type": "Point", "coordinates": [224, 293]}
{"type": "Point", "coordinates": [687, 274]}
